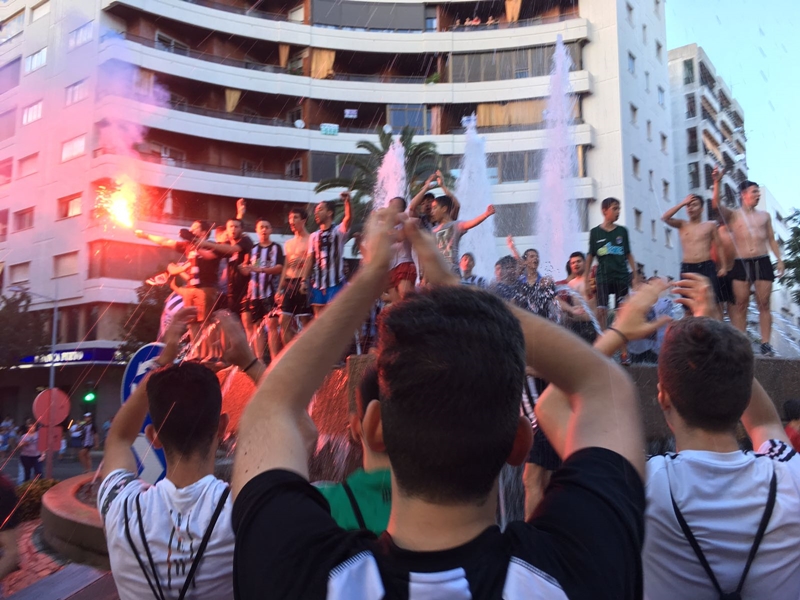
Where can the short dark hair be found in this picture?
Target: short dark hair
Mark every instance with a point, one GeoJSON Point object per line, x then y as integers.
{"type": "Point", "coordinates": [470, 254]}
{"type": "Point", "coordinates": [300, 212]}
{"type": "Point", "coordinates": [746, 184]}
{"type": "Point", "coordinates": [608, 202]}
{"type": "Point", "coordinates": [236, 219]}
{"type": "Point", "coordinates": [429, 196]}
{"type": "Point", "coordinates": [185, 402]}
{"type": "Point", "coordinates": [444, 201]}
{"type": "Point", "coordinates": [367, 390]}
{"type": "Point", "coordinates": [264, 219]}
{"type": "Point", "coordinates": [402, 200]}
{"type": "Point", "coordinates": [577, 254]}
{"type": "Point", "coordinates": [204, 225]}
{"type": "Point", "coordinates": [525, 254]}
{"type": "Point", "coordinates": [791, 410]}
{"type": "Point", "coordinates": [449, 422]}
{"type": "Point", "coordinates": [706, 367]}
{"type": "Point", "coordinates": [330, 205]}
{"type": "Point", "coordinates": [506, 261]}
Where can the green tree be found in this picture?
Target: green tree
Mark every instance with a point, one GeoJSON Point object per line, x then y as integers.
{"type": "Point", "coordinates": [421, 159]}
{"type": "Point", "coordinates": [23, 331]}
{"type": "Point", "coordinates": [143, 320]}
{"type": "Point", "coordinates": [791, 258]}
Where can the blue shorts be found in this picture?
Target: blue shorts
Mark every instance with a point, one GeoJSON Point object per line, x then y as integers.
{"type": "Point", "coordinates": [323, 297]}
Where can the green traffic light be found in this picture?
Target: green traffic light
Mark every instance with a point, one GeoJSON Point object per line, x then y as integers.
{"type": "Point", "coordinates": [89, 397]}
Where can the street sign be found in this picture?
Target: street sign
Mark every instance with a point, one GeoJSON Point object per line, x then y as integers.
{"type": "Point", "coordinates": [44, 413]}
{"type": "Point", "coordinates": [53, 435]}
{"type": "Point", "coordinates": [151, 463]}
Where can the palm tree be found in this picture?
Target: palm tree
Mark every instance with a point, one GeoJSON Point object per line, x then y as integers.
{"type": "Point", "coordinates": [421, 159]}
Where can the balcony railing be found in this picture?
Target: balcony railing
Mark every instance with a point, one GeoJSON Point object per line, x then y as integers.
{"type": "Point", "coordinates": [515, 24]}
{"type": "Point", "coordinates": [184, 164]}
{"type": "Point", "coordinates": [250, 12]}
{"type": "Point", "coordinates": [380, 78]}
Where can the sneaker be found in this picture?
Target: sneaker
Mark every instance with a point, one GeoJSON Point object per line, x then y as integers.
{"type": "Point", "coordinates": [767, 350]}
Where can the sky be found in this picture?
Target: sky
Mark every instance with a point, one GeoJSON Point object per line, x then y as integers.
{"type": "Point", "coordinates": [755, 47]}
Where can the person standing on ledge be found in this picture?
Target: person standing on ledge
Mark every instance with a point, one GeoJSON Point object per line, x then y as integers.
{"type": "Point", "coordinates": [753, 238]}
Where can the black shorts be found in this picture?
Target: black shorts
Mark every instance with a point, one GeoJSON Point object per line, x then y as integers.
{"type": "Point", "coordinates": [295, 301]}
{"type": "Point", "coordinates": [753, 269]}
{"type": "Point", "coordinates": [260, 308]}
{"type": "Point", "coordinates": [604, 290]}
{"type": "Point", "coordinates": [706, 269]}
{"type": "Point", "coordinates": [726, 289]}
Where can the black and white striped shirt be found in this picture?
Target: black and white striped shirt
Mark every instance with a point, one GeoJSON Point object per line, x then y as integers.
{"type": "Point", "coordinates": [263, 286]}
{"type": "Point", "coordinates": [326, 249]}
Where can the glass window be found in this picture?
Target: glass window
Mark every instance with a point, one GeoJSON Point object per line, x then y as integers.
{"type": "Point", "coordinates": [9, 75]}
{"type": "Point", "coordinates": [514, 219]}
{"type": "Point", "coordinates": [80, 36]}
{"type": "Point", "coordinates": [73, 148]}
{"type": "Point", "coordinates": [40, 11]}
{"type": "Point", "coordinates": [688, 71]}
{"type": "Point", "coordinates": [6, 169]}
{"type": "Point", "coordinates": [36, 60]}
{"type": "Point", "coordinates": [8, 124]}
{"type": "Point", "coordinates": [659, 50]}
{"type": "Point", "coordinates": [120, 260]}
{"type": "Point", "coordinates": [629, 10]}
{"type": "Point", "coordinates": [32, 113]}
{"type": "Point", "coordinates": [77, 91]}
{"type": "Point", "coordinates": [409, 115]}
{"type": "Point", "coordinates": [691, 106]}
{"type": "Point", "coordinates": [512, 166]}
{"type": "Point", "coordinates": [634, 114]}
{"type": "Point", "coordinates": [19, 273]}
{"type": "Point", "coordinates": [647, 81]}
{"type": "Point", "coordinates": [661, 96]}
{"type": "Point", "coordinates": [637, 219]}
{"type": "Point", "coordinates": [69, 206]}
{"type": "Point", "coordinates": [636, 164]}
{"type": "Point", "coordinates": [3, 225]}
{"type": "Point", "coordinates": [664, 147]}
{"type": "Point", "coordinates": [23, 219]}
{"type": "Point", "coordinates": [694, 175]}
{"type": "Point", "coordinates": [631, 64]}
{"type": "Point", "coordinates": [65, 264]}
{"type": "Point", "coordinates": [28, 165]}
{"type": "Point", "coordinates": [12, 26]}
{"type": "Point", "coordinates": [691, 140]}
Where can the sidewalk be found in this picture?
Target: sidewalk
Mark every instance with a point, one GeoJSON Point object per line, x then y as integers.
{"type": "Point", "coordinates": [35, 564]}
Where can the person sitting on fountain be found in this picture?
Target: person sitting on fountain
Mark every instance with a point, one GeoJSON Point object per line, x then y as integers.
{"type": "Point", "coordinates": [698, 238]}
{"type": "Point", "coordinates": [529, 263]}
{"type": "Point", "coordinates": [448, 232]}
{"type": "Point", "coordinates": [467, 263]}
{"type": "Point", "coordinates": [448, 418]}
{"type": "Point", "coordinates": [166, 538]}
{"type": "Point", "coordinates": [364, 500]}
{"type": "Point", "coordinates": [403, 271]}
{"type": "Point", "coordinates": [609, 243]}
{"type": "Point", "coordinates": [420, 206]}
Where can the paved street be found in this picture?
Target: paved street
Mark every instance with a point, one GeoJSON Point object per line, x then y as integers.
{"type": "Point", "coordinates": [62, 469]}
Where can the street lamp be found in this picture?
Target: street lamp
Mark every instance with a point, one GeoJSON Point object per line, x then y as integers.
{"type": "Point", "coordinates": [52, 379]}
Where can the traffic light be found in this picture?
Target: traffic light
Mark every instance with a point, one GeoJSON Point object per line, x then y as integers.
{"type": "Point", "coordinates": [90, 393]}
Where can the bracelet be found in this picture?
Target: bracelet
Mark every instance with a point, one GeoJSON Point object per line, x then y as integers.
{"type": "Point", "coordinates": [250, 366]}
{"type": "Point", "coordinates": [620, 334]}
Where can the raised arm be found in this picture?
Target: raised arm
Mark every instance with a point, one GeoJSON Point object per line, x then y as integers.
{"type": "Point", "coordinates": [467, 225]}
{"type": "Point", "coordinates": [156, 239]}
{"type": "Point", "coordinates": [667, 216]}
{"type": "Point", "coordinates": [726, 213]}
{"type": "Point", "coordinates": [455, 210]}
{"type": "Point", "coordinates": [348, 213]}
{"type": "Point", "coordinates": [224, 249]}
{"type": "Point", "coordinates": [241, 208]}
{"type": "Point", "coordinates": [276, 431]}
{"type": "Point", "coordinates": [512, 247]}
{"type": "Point", "coordinates": [417, 200]}
{"type": "Point", "coordinates": [129, 419]}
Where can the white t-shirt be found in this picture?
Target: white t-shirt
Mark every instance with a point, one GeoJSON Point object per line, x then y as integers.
{"type": "Point", "coordinates": [174, 523]}
{"type": "Point", "coordinates": [722, 496]}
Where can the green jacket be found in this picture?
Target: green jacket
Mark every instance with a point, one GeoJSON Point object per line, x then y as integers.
{"type": "Point", "coordinates": [373, 495]}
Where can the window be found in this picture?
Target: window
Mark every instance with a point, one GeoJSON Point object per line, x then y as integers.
{"type": "Point", "coordinates": [28, 165]}
{"type": "Point", "coordinates": [661, 97]}
{"type": "Point", "coordinates": [169, 155]}
{"type": "Point", "coordinates": [415, 116]}
{"type": "Point", "coordinates": [8, 124]}
{"type": "Point", "coordinates": [647, 81]}
{"type": "Point", "coordinates": [12, 26]}
{"type": "Point", "coordinates": [9, 75]}
{"type": "Point", "coordinates": [659, 50]}
{"type": "Point", "coordinates": [691, 106]}
{"type": "Point", "coordinates": [649, 130]}
{"type": "Point", "coordinates": [644, 34]}
{"type": "Point", "coordinates": [694, 175]}
{"type": "Point", "coordinates": [431, 24]}
{"type": "Point", "coordinates": [19, 273]}
{"type": "Point", "coordinates": [41, 10]}
{"type": "Point", "coordinates": [23, 219]}
{"type": "Point", "coordinates": [73, 148]}
{"type": "Point", "coordinates": [650, 179]}
{"type": "Point", "coordinates": [6, 168]}
{"type": "Point", "coordinates": [32, 113]}
{"type": "Point", "coordinates": [3, 225]}
{"type": "Point", "coordinates": [653, 230]}
{"type": "Point", "coordinates": [631, 64]}
{"type": "Point", "coordinates": [668, 237]}
{"type": "Point", "coordinates": [664, 143]}
{"type": "Point", "coordinates": [36, 60]}
{"type": "Point", "coordinates": [634, 114]}
{"type": "Point", "coordinates": [80, 36]}
{"type": "Point", "coordinates": [69, 206]}
{"type": "Point", "coordinates": [120, 260]}
{"type": "Point", "coordinates": [77, 91]}
{"type": "Point", "coordinates": [65, 264]}
{"type": "Point", "coordinates": [637, 219]}
{"type": "Point", "coordinates": [665, 189]}
{"type": "Point", "coordinates": [636, 163]}
{"type": "Point", "coordinates": [629, 9]}
{"type": "Point", "coordinates": [294, 169]}
{"type": "Point", "coordinates": [164, 42]}
{"type": "Point", "coordinates": [657, 7]}
{"type": "Point", "coordinates": [688, 71]}
{"type": "Point", "coordinates": [691, 140]}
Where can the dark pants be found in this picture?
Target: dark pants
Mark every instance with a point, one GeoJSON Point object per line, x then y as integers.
{"type": "Point", "coordinates": [31, 465]}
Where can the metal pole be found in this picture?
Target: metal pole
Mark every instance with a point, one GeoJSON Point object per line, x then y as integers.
{"type": "Point", "coordinates": [48, 470]}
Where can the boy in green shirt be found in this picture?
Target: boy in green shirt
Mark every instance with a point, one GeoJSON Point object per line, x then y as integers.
{"type": "Point", "coordinates": [609, 243]}
{"type": "Point", "coordinates": [364, 499]}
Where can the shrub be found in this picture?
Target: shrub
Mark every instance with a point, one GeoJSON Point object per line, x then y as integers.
{"type": "Point", "coordinates": [30, 498]}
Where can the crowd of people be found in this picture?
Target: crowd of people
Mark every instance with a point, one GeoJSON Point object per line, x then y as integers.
{"type": "Point", "coordinates": [440, 413]}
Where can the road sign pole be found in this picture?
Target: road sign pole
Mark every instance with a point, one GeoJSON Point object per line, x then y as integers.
{"type": "Point", "coordinates": [48, 465]}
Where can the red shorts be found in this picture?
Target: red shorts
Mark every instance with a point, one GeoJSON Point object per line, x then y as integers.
{"type": "Point", "coordinates": [403, 272]}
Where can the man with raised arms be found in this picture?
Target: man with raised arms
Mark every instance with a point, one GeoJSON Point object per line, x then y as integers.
{"type": "Point", "coordinates": [291, 297]}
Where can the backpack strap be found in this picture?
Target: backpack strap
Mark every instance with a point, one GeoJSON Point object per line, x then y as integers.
{"type": "Point", "coordinates": [206, 537]}
{"type": "Point", "coordinates": [158, 594]}
{"type": "Point", "coordinates": [687, 532]}
{"type": "Point", "coordinates": [356, 510]}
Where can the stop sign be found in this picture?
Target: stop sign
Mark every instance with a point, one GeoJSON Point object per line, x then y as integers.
{"type": "Point", "coordinates": [60, 407]}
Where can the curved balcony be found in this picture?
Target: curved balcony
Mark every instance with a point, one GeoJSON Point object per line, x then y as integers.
{"type": "Point", "coordinates": [260, 25]}
{"type": "Point", "coordinates": [257, 77]}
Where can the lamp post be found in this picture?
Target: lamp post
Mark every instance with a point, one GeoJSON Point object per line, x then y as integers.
{"type": "Point", "coordinates": [52, 376]}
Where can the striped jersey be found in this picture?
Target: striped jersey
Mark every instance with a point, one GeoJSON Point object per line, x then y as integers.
{"type": "Point", "coordinates": [264, 286]}
{"type": "Point", "coordinates": [172, 304]}
{"type": "Point", "coordinates": [584, 541]}
{"type": "Point", "coordinates": [326, 249]}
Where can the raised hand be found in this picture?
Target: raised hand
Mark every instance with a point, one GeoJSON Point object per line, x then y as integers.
{"type": "Point", "coordinates": [431, 260]}
{"type": "Point", "coordinates": [717, 173]}
{"type": "Point", "coordinates": [631, 320]}
{"type": "Point", "coordinates": [175, 331]}
{"type": "Point", "coordinates": [237, 350]}
{"type": "Point", "coordinates": [490, 210]}
{"type": "Point", "coordinates": [379, 234]}
{"type": "Point", "coordinates": [697, 294]}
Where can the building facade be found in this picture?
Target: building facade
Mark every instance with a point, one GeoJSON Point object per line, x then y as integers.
{"type": "Point", "coordinates": [204, 102]}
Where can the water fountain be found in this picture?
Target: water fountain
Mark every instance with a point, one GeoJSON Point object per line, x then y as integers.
{"type": "Point", "coordinates": [391, 176]}
{"type": "Point", "coordinates": [474, 192]}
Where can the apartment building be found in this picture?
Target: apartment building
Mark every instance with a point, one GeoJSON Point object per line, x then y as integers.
{"type": "Point", "coordinates": [202, 102]}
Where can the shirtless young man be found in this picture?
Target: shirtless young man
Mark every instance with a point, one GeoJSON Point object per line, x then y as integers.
{"type": "Point", "coordinates": [698, 237]}
{"type": "Point", "coordinates": [290, 295]}
{"type": "Point", "coordinates": [753, 238]}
